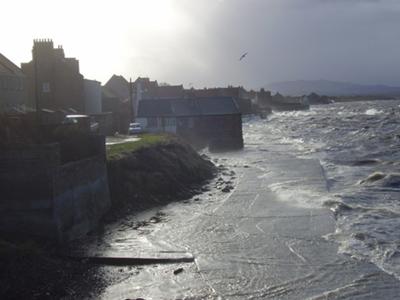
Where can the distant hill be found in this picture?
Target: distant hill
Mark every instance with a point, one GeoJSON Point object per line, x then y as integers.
{"type": "Point", "coordinates": [330, 88]}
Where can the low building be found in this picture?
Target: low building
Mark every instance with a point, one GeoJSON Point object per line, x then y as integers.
{"type": "Point", "coordinates": [239, 94]}
{"type": "Point", "coordinates": [144, 89]}
{"type": "Point", "coordinates": [13, 94]}
{"type": "Point", "coordinates": [213, 122]}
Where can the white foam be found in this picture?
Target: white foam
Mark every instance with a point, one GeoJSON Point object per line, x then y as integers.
{"type": "Point", "coordinates": [298, 193]}
{"type": "Point", "coordinates": [373, 112]}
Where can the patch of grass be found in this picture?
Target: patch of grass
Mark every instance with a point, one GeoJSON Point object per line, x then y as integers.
{"type": "Point", "coordinates": [146, 140]}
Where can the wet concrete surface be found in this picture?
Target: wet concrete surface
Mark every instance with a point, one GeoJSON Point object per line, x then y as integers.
{"type": "Point", "coordinates": [250, 241]}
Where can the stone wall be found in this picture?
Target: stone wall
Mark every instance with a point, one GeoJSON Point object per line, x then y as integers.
{"type": "Point", "coordinates": [41, 196]}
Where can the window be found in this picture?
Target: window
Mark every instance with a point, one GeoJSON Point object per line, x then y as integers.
{"type": "Point", "coordinates": [15, 84]}
{"type": "Point", "coordinates": [6, 83]}
{"type": "Point", "coordinates": [170, 122]}
{"type": "Point", "coordinates": [20, 84]}
{"type": "Point", "coordinates": [46, 87]}
{"type": "Point", "coordinates": [152, 122]}
{"type": "Point", "coordinates": [191, 123]}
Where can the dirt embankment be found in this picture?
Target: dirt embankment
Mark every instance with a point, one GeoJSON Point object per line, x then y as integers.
{"type": "Point", "coordinates": [156, 175]}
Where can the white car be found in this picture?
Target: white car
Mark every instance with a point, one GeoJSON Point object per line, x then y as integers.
{"type": "Point", "coordinates": [135, 128]}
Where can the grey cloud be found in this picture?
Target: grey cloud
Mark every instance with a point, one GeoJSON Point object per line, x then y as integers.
{"type": "Point", "coordinates": [346, 40]}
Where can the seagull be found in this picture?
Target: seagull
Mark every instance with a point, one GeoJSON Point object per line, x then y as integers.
{"type": "Point", "coordinates": [243, 56]}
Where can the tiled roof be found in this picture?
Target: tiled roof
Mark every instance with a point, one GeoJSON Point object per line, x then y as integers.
{"type": "Point", "coordinates": [8, 67]}
{"type": "Point", "coordinates": [187, 107]}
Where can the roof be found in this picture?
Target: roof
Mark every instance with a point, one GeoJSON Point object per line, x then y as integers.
{"type": "Point", "coordinates": [170, 91]}
{"type": "Point", "coordinates": [230, 91]}
{"type": "Point", "coordinates": [106, 92]}
{"type": "Point", "coordinates": [118, 85]}
{"type": "Point", "coordinates": [187, 107]}
{"type": "Point", "coordinates": [91, 80]}
{"type": "Point", "coordinates": [8, 67]}
{"type": "Point", "coordinates": [218, 106]}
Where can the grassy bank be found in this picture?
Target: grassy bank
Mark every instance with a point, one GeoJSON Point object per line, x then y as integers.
{"type": "Point", "coordinates": [155, 170]}
{"type": "Point", "coordinates": [117, 151]}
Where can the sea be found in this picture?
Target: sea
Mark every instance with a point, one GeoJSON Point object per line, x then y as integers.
{"type": "Point", "coordinates": [357, 144]}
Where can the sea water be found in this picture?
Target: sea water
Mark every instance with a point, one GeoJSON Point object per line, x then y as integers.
{"type": "Point", "coordinates": [358, 147]}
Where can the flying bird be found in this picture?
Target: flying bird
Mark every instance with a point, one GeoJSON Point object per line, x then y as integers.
{"type": "Point", "coordinates": [243, 56]}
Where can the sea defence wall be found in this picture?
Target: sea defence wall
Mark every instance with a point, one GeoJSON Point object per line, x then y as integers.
{"type": "Point", "coordinates": [57, 191]}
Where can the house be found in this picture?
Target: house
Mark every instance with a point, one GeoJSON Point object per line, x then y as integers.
{"type": "Point", "coordinates": [279, 102]}
{"type": "Point", "coordinates": [264, 98]}
{"type": "Point", "coordinates": [92, 96]}
{"type": "Point", "coordinates": [262, 101]}
{"type": "Point", "coordinates": [13, 94]}
{"type": "Point", "coordinates": [143, 88]}
{"type": "Point", "coordinates": [118, 107]}
{"type": "Point", "coordinates": [102, 121]}
{"type": "Point", "coordinates": [214, 121]}
{"type": "Point", "coordinates": [119, 86]}
{"type": "Point", "coordinates": [54, 81]}
{"type": "Point", "coordinates": [117, 99]}
{"type": "Point", "coordinates": [170, 92]}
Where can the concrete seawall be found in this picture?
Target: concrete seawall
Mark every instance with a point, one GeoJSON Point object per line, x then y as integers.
{"type": "Point", "coordinates": [42, 196]}
{"type": "Point", "coordinates": [81, 196]}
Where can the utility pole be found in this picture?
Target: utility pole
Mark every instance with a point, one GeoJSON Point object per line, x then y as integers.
{"type": "Point", "coordinates": [36, 82]}
{"type": "Point", "coordinates": [131, 100]}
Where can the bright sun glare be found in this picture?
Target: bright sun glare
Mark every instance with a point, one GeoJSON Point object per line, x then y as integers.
{"type": "Point", "coordinates": [91, 30]}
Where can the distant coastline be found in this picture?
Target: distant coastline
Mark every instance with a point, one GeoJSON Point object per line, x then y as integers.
{"type": "Point", "coordinates": [343, 90]}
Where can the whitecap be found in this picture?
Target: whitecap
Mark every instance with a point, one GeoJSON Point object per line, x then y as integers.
{"type": "Point", "coordinates": [372, 112]}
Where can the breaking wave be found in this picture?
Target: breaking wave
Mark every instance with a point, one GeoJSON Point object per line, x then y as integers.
{"type": "Point", "coordinates": [358, 146]}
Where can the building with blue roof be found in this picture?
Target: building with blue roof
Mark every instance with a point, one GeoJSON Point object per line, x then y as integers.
{"type": "Point", "coordinates": [210, 121]}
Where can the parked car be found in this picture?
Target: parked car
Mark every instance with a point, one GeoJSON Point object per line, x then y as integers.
{"type": "Point", "coordinates": [135, 128]}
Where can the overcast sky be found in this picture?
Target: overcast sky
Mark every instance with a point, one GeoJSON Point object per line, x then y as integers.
{"type": "Point", "coordinates": [199, 42]}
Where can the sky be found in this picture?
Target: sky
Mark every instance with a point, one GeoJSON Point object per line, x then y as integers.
{"type": "Point", "coordinates": [199, 42]}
